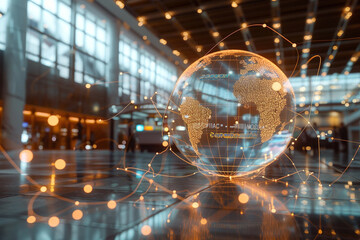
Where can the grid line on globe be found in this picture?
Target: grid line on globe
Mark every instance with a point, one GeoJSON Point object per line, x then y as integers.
{"type": "Point", "coordinates": [231, 113]}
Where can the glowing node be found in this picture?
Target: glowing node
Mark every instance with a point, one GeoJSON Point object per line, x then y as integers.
{"type": "Point", "coordinates": [174, 195]}
{"type": "Point", "coordinates": [273, 210]}
{"type": "Point", "coordinates": [53, 120]}
{"type": "Point", "coordinates": [292, 214]}
{"type": "Point", "coordinates": [43, 189]}
{"type": "Point", "coordinates": [88, 188]}
{"type": "Point", "coordinates": [54, 221]}
{"type": "Point", "coordinates": [276, 86]}
{"type": "Point", "coordinates": [168, 220]}
{"type": "Point", "coordinates": [31, 219]}
{"type": "Point", "coordinates": [141, 198]}
{"type": "Point", "coordinates": [77, 203]}
{"type": "Point", "coordinates": [166, 129]}
{"type": "Point", "coordinates": [77, 214]}
{"type": "Point", "coordinates": [264, 25]}
{"type": "Point", "coordinates": [243, 198]}
{"type": "Point", "coordinates": [320, 231]}
{"type": "Point", "coordinates": [165, 143]}
{"type": "Point", "coordinates": [146, 230]}
{"type": "Point", "coordinates": [60, 164]}
{"type": "Point", "coordinates": [26, 156]}
{"type": "Point", "coordinates": [294, 45]}
{"type": "Point", "coordinates": [88, 85]}
{"type": "Point", "coordinates": [111, 204]}
{"type": "Point", "coordinates": [203, 221]}
{"type": "Point", "coordinates": [195, 205]}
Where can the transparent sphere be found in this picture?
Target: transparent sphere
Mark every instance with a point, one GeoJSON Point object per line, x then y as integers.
{"type": "Point", "coordinates": [231, 113]}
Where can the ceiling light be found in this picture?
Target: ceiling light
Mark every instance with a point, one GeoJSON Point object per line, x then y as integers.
{"type": "Point", "coordinates": [306, 50]}
{"type": "Point", "coordinates": [308, 37]}
{"type": "Point", "coordinates": [277, 53]}
{"type": "Point", "coordinates": [185, 61]}
{"type": "Point", "coordinates": [335, 47]}
{"type": "Point", "coordinates": [244, 25]}
{"type": "Point", "coordinates": [144, 38]}
{"type": "Point", "coordinates": [348, 15]}
{"type": "Point", "coordinates": [234, 4]}
{"type": "Point", "coordinates": [222, 44]}
{"type": "Point", "coordinates": [276, 40]}
{"type": "Point", "coordinates": [346, 9]}
{"type": "Point", "coordinates": [327, 64]}
{"type": "Point", "coordinates": [163, 41]}
{"type": "Point", "coordinates": [168, 15]}
{"type": "Point", "coordinates": [276, 25]}
{"type": "Point", "coordinates": [198, 48]}
{"type": "Point", "coordinates": [353, 59]}
{"type": "Point", "coordinates": [340, 33]}
{"type": "Point", "coordinates": [176, 52]}
{"type": "Point", "coordinates": [120, 4]}
{"type": "Point", "coordinates": [215, 34]}
{"type": "Point", "coordinates": [304, 66]}
{"type": "Point", "coordinates": [199, 10]}
{"type": "Point", "coordinates": [279, 61]}
{"type": "Point", "coordinates": [247, 43]}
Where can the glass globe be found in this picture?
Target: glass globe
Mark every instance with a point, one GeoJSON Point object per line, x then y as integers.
{"type": "Point", "coordinates": [231, 113]}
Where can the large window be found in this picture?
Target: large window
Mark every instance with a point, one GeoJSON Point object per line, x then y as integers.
{"type": "Point", "coordinates": [49, 34]}
{"type": "Point", "coordinates": [143, 71]}
{"type": "Point", "coordinates": [3, 10]}
{"type": "Point", "coordinates": [91, 46]}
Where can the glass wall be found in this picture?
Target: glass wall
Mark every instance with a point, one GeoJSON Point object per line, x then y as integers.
{"type": "Point", "coordinates": [330, 89]}
{"type": "Point", "coordinates": [3, 10]}
{"type": "Point", "coordinates": [48, 37]}
{"type": "Point", "coordinates": [64, 35]}
{"type": "Point", "coordinates": [143, 71]}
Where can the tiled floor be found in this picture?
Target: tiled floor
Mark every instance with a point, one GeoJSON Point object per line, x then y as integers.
{"type": "Point", "coordinates": [293, 207]}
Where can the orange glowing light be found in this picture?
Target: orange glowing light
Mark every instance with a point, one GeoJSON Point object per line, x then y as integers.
{"type": "Point", "coordinates": [60, 164]}
{"type": "Point", "coordinates": [203, 221]}
{"type": "Point", "coordinates": [111, 204]}
{"type": "Point", "coordinates": [174, 195]}
{"type": "Point", "coordinates": [88, 188]}
{"type": "Point", "coordinates": [53, 120]}
{"type": "Point", "coordinates": [77, 203]}
{"type": "Point", "coordinates": [148, 128]}
{"type": "Point", "coordinates": [43, 189]}
{"type": "Point", "coordinates": [26, 156]}
{"type": "Point", "coordinates": [54, 221]}
{"type": "Point", "coordinates": [146, 230]}
{"type": "Point", "coordinates": [165, 143]}
{"type": "Point", "coordinates": [31, 219]}
{"type": "Point", "coordinates": [243, 198]}
{"type": "Point", "coordinates": [77, 214]}
{"type": "Point", "coordinates": [195, 205]}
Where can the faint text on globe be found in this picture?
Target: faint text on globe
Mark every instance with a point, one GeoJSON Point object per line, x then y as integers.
{"type": "Point", "coordinates": [231, 113]}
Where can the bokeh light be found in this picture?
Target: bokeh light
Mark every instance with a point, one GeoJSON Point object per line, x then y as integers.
{"type": "Point", "coordinates": [88, 188]}
{"type": "Point", "coordinates": [243, 198]}
{"type": "Point", "coordinates": [43, 189]}
{"type": "Point", "coordinates": [146, 230]}
{"type": "Point", "coordinates": [54, 221]}
{"type": "Point", "coordinates": [26, 155]}
{"type": "Point", "coordinates": [31, 219]}
{"type": "Point", "coordinates": [60, 164]}
{"type": "Point", "coordinates": [195, 205]}
{"type": "Point", "coordinates": [53, 120]}
{"type": "Point", "coordinates": [77, 214]}
{"type": "Point", "coordinates": [203, 221]}
{"type": "Point", "coordinates": [111, 204]}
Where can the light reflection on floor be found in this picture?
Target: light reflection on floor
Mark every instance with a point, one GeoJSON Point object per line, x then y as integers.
{"type": "Point", "coordinates": [295, 207]}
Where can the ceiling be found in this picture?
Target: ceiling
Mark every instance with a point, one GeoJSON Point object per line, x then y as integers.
{"type": "Point", "coordinates": [327, 23]}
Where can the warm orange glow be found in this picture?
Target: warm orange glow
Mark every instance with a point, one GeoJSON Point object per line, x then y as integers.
{"type": "Point", "coordinates": [60, 164]}
{"type": "Point", "coordinates": [148, 128]}
{"type": "Point", "coordinates": [174, 195]}
{"type": "Point", "coordinates": [203, 221]}
{"type": "Point", "coordinates": [31, 219]}
{"type": "Point", "coordinates": [88, 85]}
{"type": "Point", "coordinates": [77, 214]}
{"type": "Point", "coordinates": [146, 230]}
{"type": "Point", "coordinates": [43, 189]}
{"type": "Point", "coordinates": [26, 156]}
{"type": "Point", "coordinates": [54, 221]}
{"type": "Point", "coordinates": [276, 86]}
{"type": "Point", "coordinates": [195, 205]}
{"type": "Point", "coordinates": [88, 188]}
{"type": "Point", "coordinates": [53, 120]}
{"type": "Point", "coordinates": [111, 204]}
{"type": "Point", "coordinates": [77, 203]}
{"type": "Point", "coordinates": [165, 143]}
{"type": "Point", "coordinates": [166, 129]}
{"type": "Point", "coordinates": [243, 198]}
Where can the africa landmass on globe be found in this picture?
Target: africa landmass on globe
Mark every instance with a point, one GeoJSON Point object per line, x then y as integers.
{"type": "Point", "coordinates": [196, 118]}
{"type": "Point", "coordinates": [267, 95]}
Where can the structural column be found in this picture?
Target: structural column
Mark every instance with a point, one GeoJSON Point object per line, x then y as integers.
{"type": "Point", "coordinates": [14, 85]}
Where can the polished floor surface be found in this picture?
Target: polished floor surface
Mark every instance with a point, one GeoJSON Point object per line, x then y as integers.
{"type": "Point", "coordinates": [169, 199]}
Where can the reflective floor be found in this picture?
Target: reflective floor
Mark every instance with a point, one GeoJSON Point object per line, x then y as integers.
{"type": "Point", "coordinates": [286, 201]}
